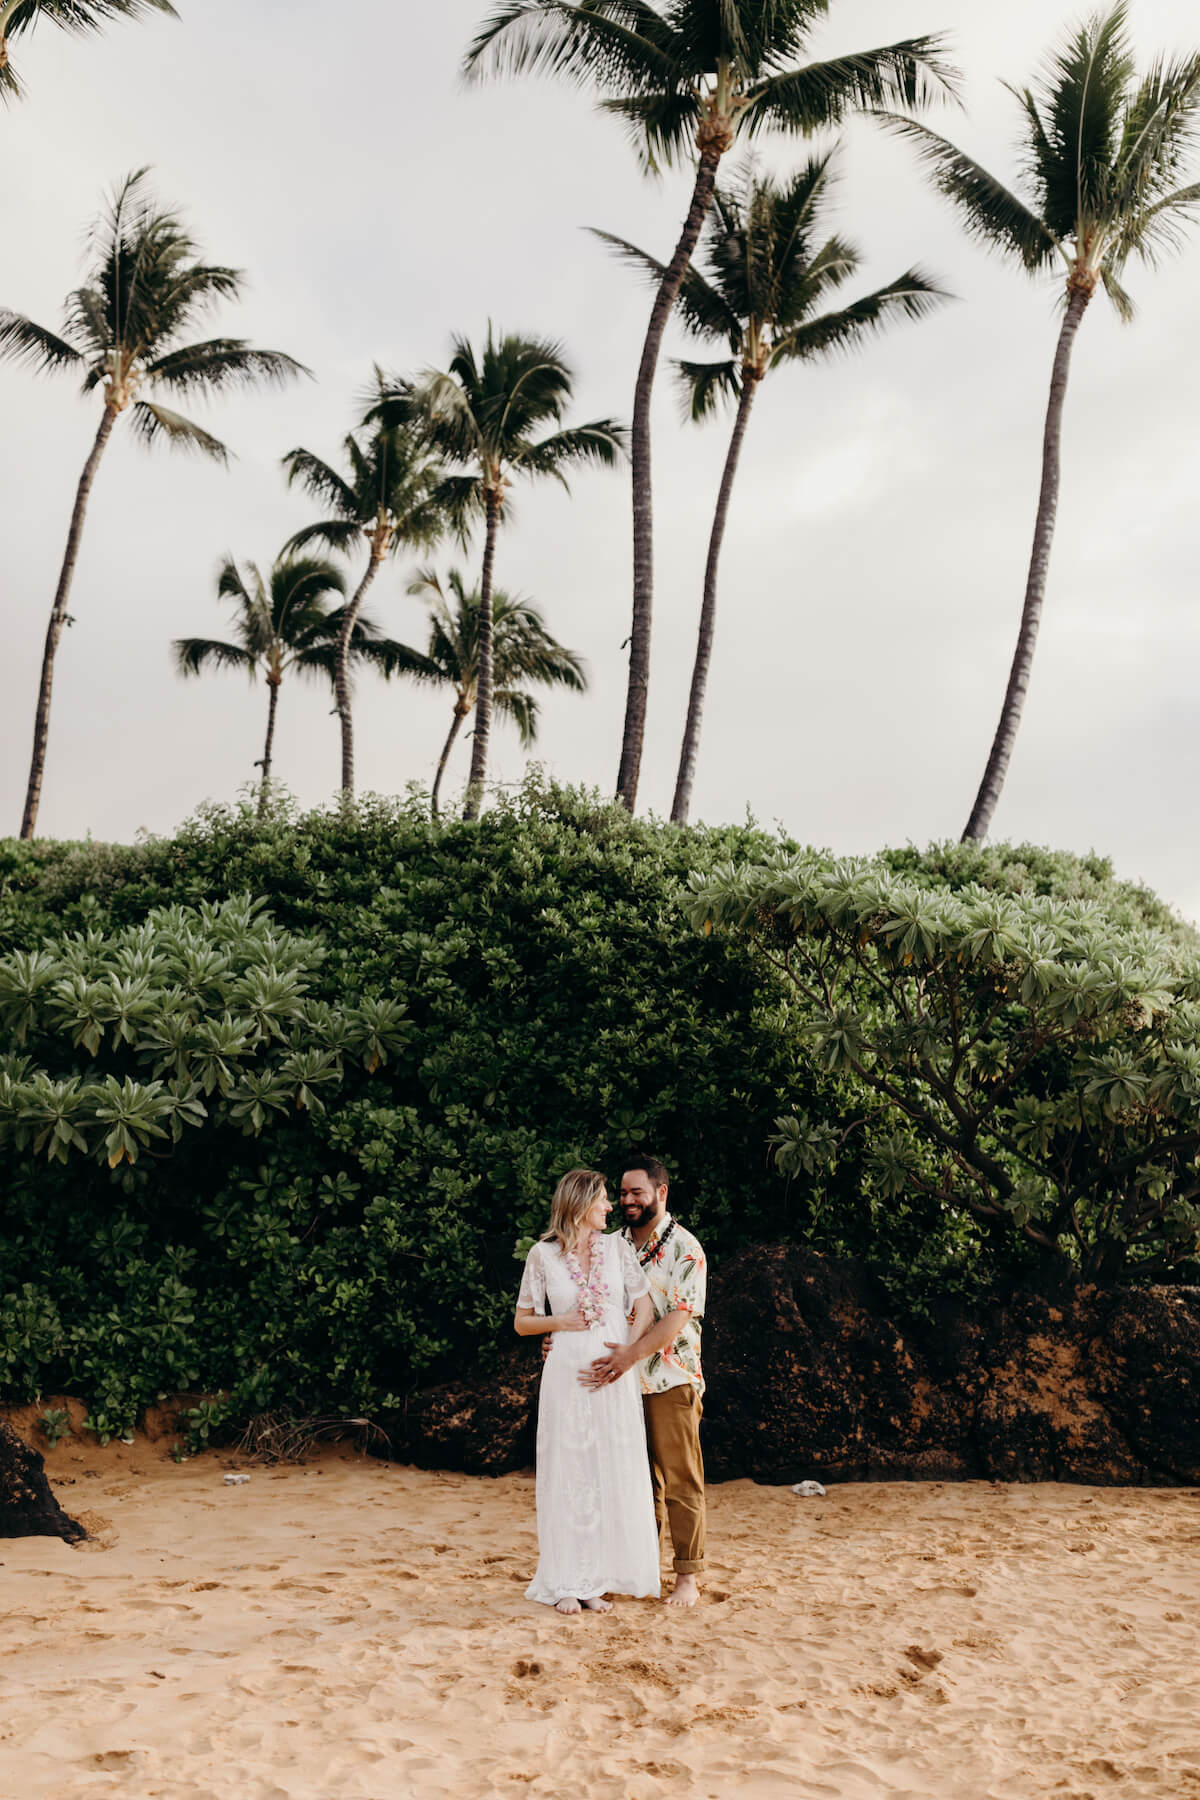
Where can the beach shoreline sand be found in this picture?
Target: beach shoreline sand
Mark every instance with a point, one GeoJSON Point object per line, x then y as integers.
{"type": "Point", "coordinates": [351, 1629]}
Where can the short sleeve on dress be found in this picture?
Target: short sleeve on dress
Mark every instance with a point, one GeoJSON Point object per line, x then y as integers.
{"type": "Point", "coordinates": [533, 1282]}
{"type": "Point", "coordinates": [633, 1276]}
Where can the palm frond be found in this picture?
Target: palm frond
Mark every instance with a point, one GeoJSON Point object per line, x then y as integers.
{"type": "Point", "coordinates": [522, 709]}
{"type": "Point", "coordinates": [1117, 294]}
{"type": "Point", "coordinates": [444, 405]}
{"type": "Point", "coordinates": [80, 15]}
{"type": "Point", "coordinates": [231, 584]}
{"type": "Point", "coordinates": [389, 658]}
{"type": "Point", "coordinates": [990, 212]}
{"type": "Point", "coordinates": [621, 46]}
{"type": "Point", "coordinates": [660, 127]}
{"type": "Point", "coordinates": [1159, 130]}
{"type": "Point", "coordinates": [460, 499]}
{"type": "Point", "coordinates": [701, 306]}
{"type": "Point", "coordinates": [913, 73]}
{"type": "Point", "coordinates": [194, 655]}
{"type": "Point", "coordinates": [222, 363]}
{"type": "Point", "coordinates": [913, 295]}
{"type": "Point", "coordinates": [344, 536]}
{"type": "Point", "coordinates": [1082, 93]}
{"type": "Point", "coordinates": [1148, 231]}
{"type": "Point", "coordinates": [322, 482]}
{"type": "Point", "coordinates": [23, 341]}
{"type": "Point", "coordinates": [602, 441]}
{"type": "Point", "coordinates": [301, 583]}
{"type": "Point", "coordinates": [317, 661]}
{"type": "Point", "coordinates": [151, 421]}
{"type": "Point", "coordinates": [705, 385]}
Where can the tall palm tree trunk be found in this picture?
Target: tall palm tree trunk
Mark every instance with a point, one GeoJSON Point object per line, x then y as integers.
{"type": "Point", "coordinates": [643, 519]}
{"type": "Point", "coordinates": [1035, 587]}
{"type": "Point", "coordinates": [483, 692]}
{"type": "Point", "coordinates": [708, 610]}
{"type": "Point", "coordinates": [341, 666]}
{"type": "Point", "coordinates": [269, 747]}
{"type": "Point", "coordinates": [460, 713]}
{"type": "Point", "coordinates": [58, 618]}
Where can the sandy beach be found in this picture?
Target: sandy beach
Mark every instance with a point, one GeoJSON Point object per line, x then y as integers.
{"type": "Point", "coordinates": [353, 1629]}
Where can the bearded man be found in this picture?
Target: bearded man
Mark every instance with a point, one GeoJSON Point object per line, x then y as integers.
{"type": "Point", "coordinates": [668, 1353]}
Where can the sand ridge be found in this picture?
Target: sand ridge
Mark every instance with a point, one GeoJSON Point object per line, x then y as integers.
{"type": "Point", "coordinates": [350, 1630]}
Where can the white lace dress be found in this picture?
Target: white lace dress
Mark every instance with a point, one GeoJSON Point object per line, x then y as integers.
{"type": "Point", "coordinates": [595, 1508]}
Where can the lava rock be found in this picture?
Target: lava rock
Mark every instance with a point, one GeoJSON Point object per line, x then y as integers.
{"type": "Point", "coordinates": [807, 1373]}
{"type": "Point", "coordinates": [27, 1506]}
{"type": "Point", "coordinates": [810, 1374]}
{"type": "Point", "coordinates": [479, 1424]}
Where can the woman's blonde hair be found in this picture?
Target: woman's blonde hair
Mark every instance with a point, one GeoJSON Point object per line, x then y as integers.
{"type": "Point", "coordinates": [578, 1190]}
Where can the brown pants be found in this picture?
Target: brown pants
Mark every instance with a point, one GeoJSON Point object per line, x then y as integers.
{"type": "Point", "coordinates": [677, 1471]}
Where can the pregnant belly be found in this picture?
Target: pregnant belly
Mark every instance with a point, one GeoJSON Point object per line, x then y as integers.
{"type": "Point", "coordinates": [574, 1350]}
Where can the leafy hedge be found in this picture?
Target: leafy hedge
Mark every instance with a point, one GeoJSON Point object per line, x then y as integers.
{"type": "Point", "coordinates": [556, 1007]}
{"type": "Point", "coordinates": [1030, 1062]}
{"type": "Point", "coordinates": [485, 1005]}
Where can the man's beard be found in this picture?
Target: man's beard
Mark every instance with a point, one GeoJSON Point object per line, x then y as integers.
{"type": "Point", "coordinates": [639, 1217]}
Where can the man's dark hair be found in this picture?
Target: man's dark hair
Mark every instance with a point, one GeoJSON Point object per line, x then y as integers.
{"type": "Point", "coordinates": [649, 1165]}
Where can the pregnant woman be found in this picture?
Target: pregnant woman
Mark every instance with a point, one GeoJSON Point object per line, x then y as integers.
{"type": "Point", "coordinates": [595, 1509]}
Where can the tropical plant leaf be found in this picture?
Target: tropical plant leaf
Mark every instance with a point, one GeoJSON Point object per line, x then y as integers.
{"type": "Point", "coordinates": [151, 421]}
{"type": "Point", "coordinates": [989, 210]}
{"type": "Point", "coordinates": [23, 341]}
{"type": "Point", "coordinates": [622, 45]}
{"type": "Point", "coordinates": [222, 363]}
{"type": "Point", "coordinates": [194, 655]}
{"type": "Point", "coordinates": [912, 73]}
{"type": "Point", "coordinates": [705, 385]}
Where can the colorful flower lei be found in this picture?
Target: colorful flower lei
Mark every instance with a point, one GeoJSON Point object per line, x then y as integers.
{"type": "Point", "coordinates": [593, 1289]}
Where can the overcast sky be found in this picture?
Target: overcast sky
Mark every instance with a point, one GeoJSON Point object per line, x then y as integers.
{"type": "Point", "coordinates": [875, 560]}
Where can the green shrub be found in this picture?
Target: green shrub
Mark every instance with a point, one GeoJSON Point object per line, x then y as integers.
{"type": "Point", "coordinates": [1030, 1063]}
{"type": "Point", "coordinates": [553, 1006]}
{"type": "Point", "coordinates": [370, 1044]}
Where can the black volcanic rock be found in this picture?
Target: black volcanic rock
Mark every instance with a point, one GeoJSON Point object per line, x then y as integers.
{"type": "Point", "coordinates": [809, 1375]}
{"type": "Point", "coordinates": [27, 1506]}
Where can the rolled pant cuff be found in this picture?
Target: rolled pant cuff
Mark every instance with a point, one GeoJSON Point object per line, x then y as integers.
{"type": "Point", "coordinates": [682, 1567]}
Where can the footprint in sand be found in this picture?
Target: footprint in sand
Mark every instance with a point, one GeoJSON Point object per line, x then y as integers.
{"type": "Point", "coordinates": [924, 1659]}
{"type": "Point", "coordinates": [110, 1759]}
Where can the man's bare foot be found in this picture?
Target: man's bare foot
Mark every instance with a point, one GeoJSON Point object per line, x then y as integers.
{"type": "Point", "coordinates": [686, 1592]}
{"type": "Point", "coordinates": [568, 1606]}
{"type": "Point", "coordinates": [597, 1605]}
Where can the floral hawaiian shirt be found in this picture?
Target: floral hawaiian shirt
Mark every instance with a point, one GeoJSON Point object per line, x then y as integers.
{"type": "Point", "coordinates": [678, 1277]}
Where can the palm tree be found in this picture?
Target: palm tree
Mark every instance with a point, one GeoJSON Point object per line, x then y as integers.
{"type": "Point", "coordinates": [126, 334]}
{"type": "Point", "coordinates": [767, 275]}
{"type": "Point", "coordinates": [17, 16]}
{"type": "Point", "coordinates": [392, 498]}
{"type": "Point", "coordinates": [690, 75]}
{"type": "Point", "coordinates": [285, 622]}
{"type": "Point", "coordinates": [523, 654]}
{"type": "Point", "coordinates": [1103, 153]}
{"type": "Point", "coordinates": [482, 415]}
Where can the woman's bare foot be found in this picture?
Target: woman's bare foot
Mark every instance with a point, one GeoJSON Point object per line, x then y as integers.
{"type": "Point", "coordinates": [686, 1592]}
{"type": "Point", "coordinates": [568, 1606]}
{"type": "Point", "coordinates": [597, 1605]}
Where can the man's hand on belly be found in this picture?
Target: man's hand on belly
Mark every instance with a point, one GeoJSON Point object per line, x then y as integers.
{"type": "Point", "coordinates": [608, 1368]}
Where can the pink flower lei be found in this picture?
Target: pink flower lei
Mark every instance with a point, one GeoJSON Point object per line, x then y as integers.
{"type": "Point", "coordinates": [593, 1289]}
